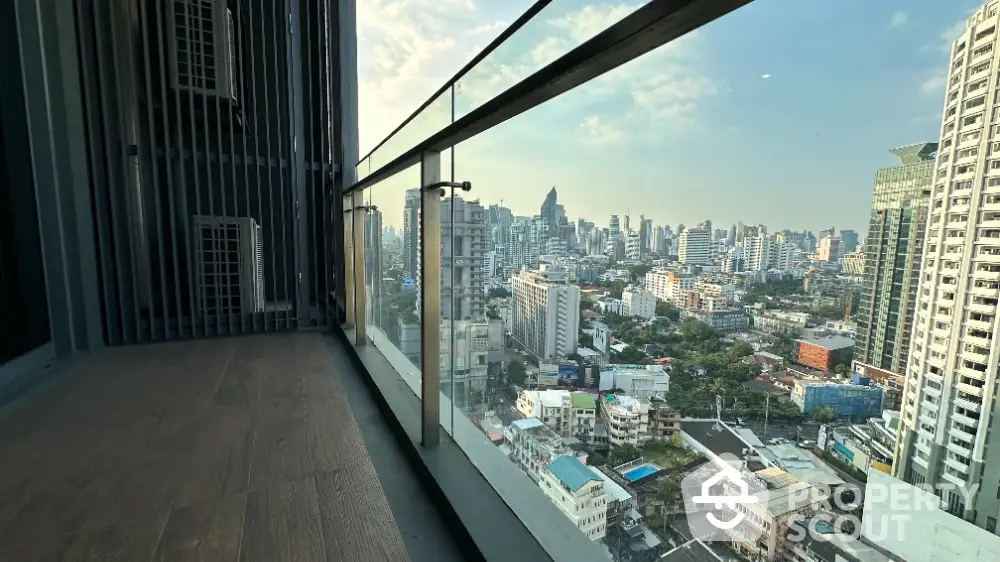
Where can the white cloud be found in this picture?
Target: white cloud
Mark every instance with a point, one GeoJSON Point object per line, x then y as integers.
{"type": "Point", "coordinates": [407, 49]}
{"type": "Point", "coordinates": [765, 76]}
{"type": "Point", "coordinates": [598, 132]}
{"type": "Point", "coordinates": [934, 81]}
{"type": "Point", "coordinates": [494, 28]}
{"type": "Point", "coordinates": [948, 36]}
{"type": "Point", "coordinates": [898, 19]}
{"type": "Point", "coordinates": [591, 20]}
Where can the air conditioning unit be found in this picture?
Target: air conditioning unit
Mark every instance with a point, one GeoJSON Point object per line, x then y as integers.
{"type": "Point", "coordinates": [229, 265]}
{"type": "Point", "coordinates": [202, 48]}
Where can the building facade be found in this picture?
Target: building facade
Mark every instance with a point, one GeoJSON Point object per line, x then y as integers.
{"type": "Point", "coordinates": [545, 312]}
{"type": "Point", "coordinates": [626, 419]}
{"type": "Point", "coordinates": [638, 302]}
{"type": "Point", "coordinates": [695, 247]}
{"type": "Point", "coordinates": [950, 397]}
{"type": "Point", "coordinates": [579, 493]}
{"type": "Point", "coordinates": [892, 257]}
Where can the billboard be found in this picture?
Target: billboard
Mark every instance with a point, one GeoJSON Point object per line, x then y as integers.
{"type": "Point", "coordinates": [408, 282]}
{"type": "Point", "coordinates": [569, 371]}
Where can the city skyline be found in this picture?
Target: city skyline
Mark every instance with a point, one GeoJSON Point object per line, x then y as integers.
{"type": "Point", "coordinates": [764, 112]}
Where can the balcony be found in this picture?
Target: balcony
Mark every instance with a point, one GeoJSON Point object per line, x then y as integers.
{"type": "Point", "coordinates": [198, 450]}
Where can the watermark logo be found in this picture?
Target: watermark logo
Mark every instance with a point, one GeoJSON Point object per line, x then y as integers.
{"type": "Point", "coordinates": [723, 501]}
{"type": "Point", "coordinates": [718, 500]}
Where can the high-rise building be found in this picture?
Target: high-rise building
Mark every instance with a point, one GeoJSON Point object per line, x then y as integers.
{"type": "Point", "coordinates": [734, 261]}
{"type": "Point", "coordinates": [829, 248]}
{"type": "Point", "coordinates": [695, 247]}
{"type": "Point", "coordinates": [782, 255]}
{"type": "Point", "coordinates": [633, 246]}
{"type": "Point", "coordinates": [757, 252]}
{"type": "Point", "coordinates": [613, 227]}
{"type": "Point", "coordinates": [545, 312]}
{"type": "Point", "coordinates": [463, 255]}
{"type": "Point", "coordinates": [848, 241]}
{"type": "Point", "coordinates": [892, 256]}
{"type": "Point", "coordinates": [656, 244]}
{"type": "Point", "coordinates": [411, 233]}
{"type": "Point", "coordinates": [627, 225]}
{"type": "Point", "coordinates": [949, 402]}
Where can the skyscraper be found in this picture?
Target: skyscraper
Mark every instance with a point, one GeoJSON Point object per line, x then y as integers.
{"type": "Point", "coordinates": [463, 255]}
{"type": "Point", "coordinates": [829, 248]}
{"type": "Point", "coordinates": [695, 247]}
{"type": "Point", "coordinates": [950, 398]}
{"type": "Point", "coordinates": [613, 226]}
{"type": "Point", "coordinates": [848, 241]}
{"type": "Point", "coordinates": [893, 250]}
{"type": "Point", "coordinates": [757, 252]}
{"type": "Point", "coordinates": [411, 233]}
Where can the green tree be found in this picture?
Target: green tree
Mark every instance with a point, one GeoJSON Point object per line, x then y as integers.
{"type": "Point", "coordinates": [664, 308]}
{"type": "Point", "coordinates": [740, 349]}
{"type": "Point", "coordinates": [516, 373]}
{"type": "Point", "coordinates": [842, 370]}
{"type": "Point", "coordinates": [668, 488]}
{"type": "Point", "coordinates": [498, 293]}
{"type": "Point", "coordinates": [623, 454]}
{"type": "Point", "coordinates": [824, 415]}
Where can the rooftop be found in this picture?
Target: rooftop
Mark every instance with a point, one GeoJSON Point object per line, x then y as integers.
{"type": "Point", "coordinates": [692, 551]}
{"type": "Point", "coordinates": [719, 441]}
{"type": "Point", "coordinates": [638, 370]}
{"type": "Point", "coordinates": [571, 472]}
{"type": "Point", "coordinates": [613, 489]}
{"type": "Point", "coordinates": [583, 400]}
{"type": "Point", "coordinates": [831, 343]}
{"type": "Point", "coordinates": [624, 402]}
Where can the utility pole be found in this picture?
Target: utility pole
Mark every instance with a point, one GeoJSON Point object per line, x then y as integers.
{"type": "Point", "coordinates": [767, 411]}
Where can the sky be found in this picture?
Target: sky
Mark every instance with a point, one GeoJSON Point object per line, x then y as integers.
{"type": "Point", "coordinates": [779, 113]}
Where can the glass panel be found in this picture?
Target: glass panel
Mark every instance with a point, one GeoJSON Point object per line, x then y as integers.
{"type": "Point", "coordinates": [557, 29]}
{"type": "Point", "coordinates": [363, 169]}
{"type": "Point", "coordinates": [433, 118]}
{"type": "Point", "coordinates": [394, 249]}
{"type": "Point", "coordinates": [372, 229]}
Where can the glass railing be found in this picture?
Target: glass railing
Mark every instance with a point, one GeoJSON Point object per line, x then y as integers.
{"type": "Point", "coordinates": [644, 276]}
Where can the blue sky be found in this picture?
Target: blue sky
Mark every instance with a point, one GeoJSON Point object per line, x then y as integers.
{"type": "Point", "coordinates": [780, 113]}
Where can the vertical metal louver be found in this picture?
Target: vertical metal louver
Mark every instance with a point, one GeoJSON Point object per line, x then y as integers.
{"type": "Point", "coordinates": [211, 136]}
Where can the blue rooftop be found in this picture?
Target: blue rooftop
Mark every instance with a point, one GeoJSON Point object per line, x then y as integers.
{"type": "Point", "coordinates": [571, 472]}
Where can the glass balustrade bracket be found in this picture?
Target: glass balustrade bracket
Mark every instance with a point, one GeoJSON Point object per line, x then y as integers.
{"type": "Point", "coordinates": [348, 263]}
{"type": "Point", "coordinates": [430, 298]}
{"type": "Point", "coordinates": [360, 318]}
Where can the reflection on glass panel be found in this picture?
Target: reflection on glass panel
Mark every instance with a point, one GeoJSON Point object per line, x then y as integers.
{"type": "Point", "coordinates": [559, 28]}
{"type": "Point", "coordinates": [363, 169]}
{"type": "Point", "coordinates": [433, 118]}
{"type": "Point", "coordinates": [393, 243]}
{"type": "Point", "coordinates": [372, 232]}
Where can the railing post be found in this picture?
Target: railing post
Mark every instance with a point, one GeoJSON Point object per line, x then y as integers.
{"type": "Point", "coordinates": [349, 261]}
{"type": "Point", "coordinates": [360, 314]}
{"type": "Point", "coordinates": [430, 298]}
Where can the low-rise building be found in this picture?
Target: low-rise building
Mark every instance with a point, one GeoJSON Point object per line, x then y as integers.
{"type": "Point", "coordinates": [782, 499]}
{"type": "Point", "coordinates": [776, 321]}
{"type": "Point", "coordinates": [531, 446]}
{"type": "Point", "coordinates": [710, 303]}
{"type": "Point", "coordinates": [825, 352]}
{"type": "Point", "coordinates": [664, 421]}
{"type": "Point", "coordinates": [626, 419]}
{"type": "Point", "coordinates": [641, 381]}
{"type": "Point", "coordinates": [610, 306]}
{"type": "Point", "coordinates": [583, 416]}
{"type": "Point", "coordinates": [638, 302]}
{"type": "Point", "coordinates": [844, 399]}
{"type": "Point", "coordinates": [731, 320]}
{"type": "Point", "coordinates": [579, 494]}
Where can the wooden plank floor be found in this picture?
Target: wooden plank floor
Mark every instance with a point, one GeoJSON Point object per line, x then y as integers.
{"type": "Point", "coordinates": [216, 450]}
